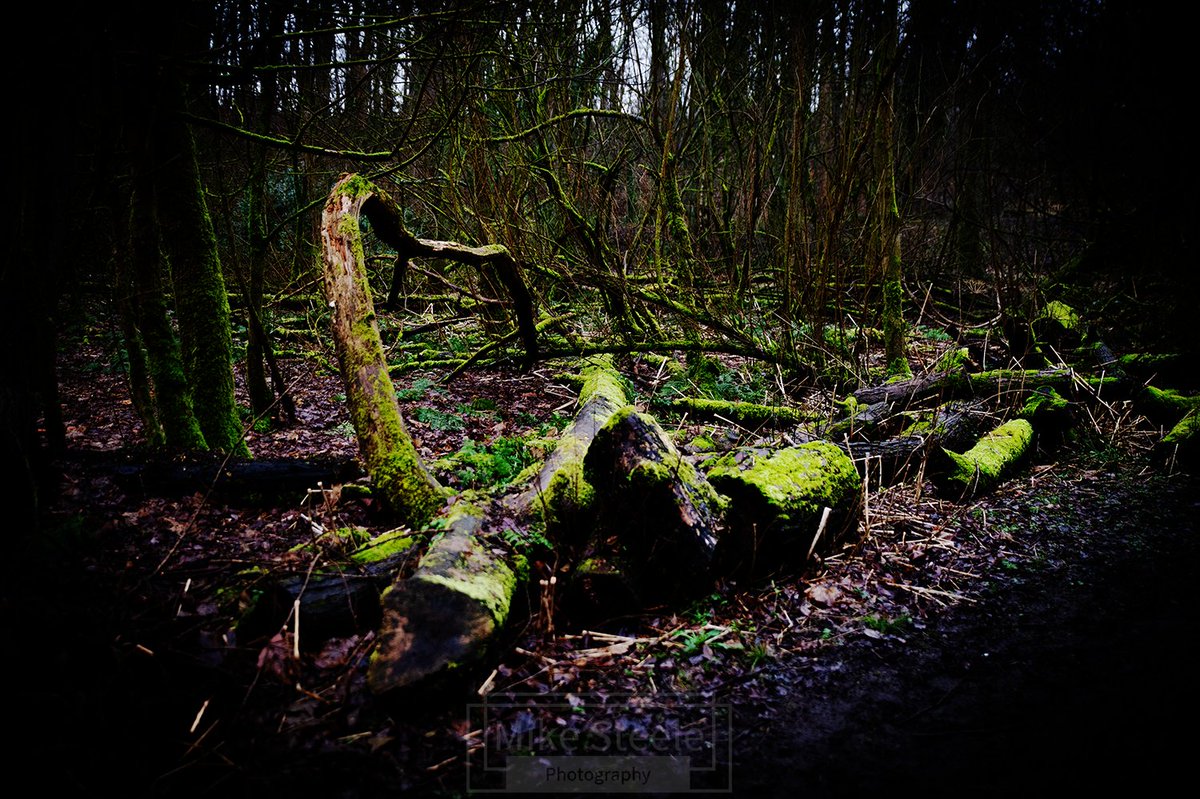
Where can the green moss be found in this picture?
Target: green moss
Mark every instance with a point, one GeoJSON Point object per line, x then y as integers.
{"type": "Point", "coordinates": [493, 588]}
{"type": "Point", "coordinates": [798, 481]}
{"type": "Point", "coordinates": [992, 458]}
{"type": "Point", "coordinates": [1061, 314]}
{"type": "Point", "coordinates": [1043, 404]}
{"type": "Point", "coordinates": [742, 412]}
{"type": "Point", "coordinates": [385, 546]}
{"type": "Point", "coordinates": [1186, 432]}
{"type": "Point", "coordinates": [953, 360]}
{"type": "Point", "coordinates": [703, 443]}
{"type": "Point", "coordinates": [600, 379]}
{"type": "Point", "coordinates": [1165, 406]}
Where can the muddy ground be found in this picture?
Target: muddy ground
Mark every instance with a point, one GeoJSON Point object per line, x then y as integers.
{"type": "Point", "coordinates": [1035, 640]}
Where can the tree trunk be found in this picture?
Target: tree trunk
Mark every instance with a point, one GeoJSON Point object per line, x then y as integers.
{"type": "Point", "coordinates": [173, 401]}
{"type": "Point", "coordinates": [403, 483]}
{"type": "Point", "coordinates": [201, 301]}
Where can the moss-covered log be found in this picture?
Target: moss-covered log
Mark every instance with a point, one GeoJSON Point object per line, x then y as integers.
{"type": "Point", "coordinates": [403, 483]}
{"type": "Point", "coordinates": [778, 501]}
{"type": "Point", "coordinates": [1164, 407]}
{"type": "Point", "coordinates": [993, 458]}
{"type": "Point", "coordinates": [657, 515]}
{"type": "Point", "coordinates": [559, 492]}
{"type": "Point", "coordinates": [744, 413]}
{"type": "Point", "coordinates": [949, 385]}
{"type": "Point", "coordinates": [445, 616]}
{"type": "Point", "coordinates": [1183, 441]}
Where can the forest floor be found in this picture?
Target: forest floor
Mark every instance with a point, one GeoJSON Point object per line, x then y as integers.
{"type": "Point", "coordinates": [1034, 639]}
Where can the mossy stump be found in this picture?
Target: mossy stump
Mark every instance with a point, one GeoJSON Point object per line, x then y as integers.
{"type": "Point", "coordinates": [777, 502]}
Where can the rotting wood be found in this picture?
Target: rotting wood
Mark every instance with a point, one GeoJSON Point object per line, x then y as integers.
{"type": "Point", "coordinates": [445, 616]}
{"type": "Point", "coordinates": [404, 484]}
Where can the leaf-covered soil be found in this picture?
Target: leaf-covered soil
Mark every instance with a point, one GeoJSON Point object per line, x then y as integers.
{"type": "Point", "coordinates": [1033, 640]}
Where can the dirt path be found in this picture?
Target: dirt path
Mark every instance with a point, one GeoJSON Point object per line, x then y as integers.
{"type": "Point", "coordinates": [1076, 675]}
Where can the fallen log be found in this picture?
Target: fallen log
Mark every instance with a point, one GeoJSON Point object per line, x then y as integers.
{"type": "Point", "coordinates": [559, 492]}
{"type": "Point", "coordinates": [658, 515]}
{"type": "Point", "coordinates": [993, 458]}
{"type": "Point", "coordinates": [445, 616]}
{"type": "Point", "coordinates": [951, 385]}
{"type": "Point", "coordinates": [743, 413]}
{"type": "Point", "coordinates": [1165, 407]}
{"type": "Point", "coordinates": [340, 598]}
{"type": "Point", "coordinates": [1183, 441]}
{"type": "Point", "coordinates": [778, 501]}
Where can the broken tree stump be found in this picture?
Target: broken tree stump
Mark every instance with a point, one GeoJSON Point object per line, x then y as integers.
{"type": "Point", "coordinates": [777, 502]}
{"type": "Point", "coordinates": [658, 515]}
{"type": "Point", "coordinates": [445, 616]}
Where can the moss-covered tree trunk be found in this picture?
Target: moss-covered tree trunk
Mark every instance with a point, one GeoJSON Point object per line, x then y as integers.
{"type": "Point", "coordinates": [403, 482]}
{"type": "Point", "coordinates": [173, 401]}
{"type": "Point", "coordinates": [201, 303]}
{"type": "Point", "coordinates": [777, 504]}
{"type": "Point", "coordinates": [993, 458]}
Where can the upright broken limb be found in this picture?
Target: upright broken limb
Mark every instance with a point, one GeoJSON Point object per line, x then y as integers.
{"type": "Point", "coordinates": [403, 482]}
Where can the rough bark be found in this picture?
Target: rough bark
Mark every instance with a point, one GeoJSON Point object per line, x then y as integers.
{"type": "Point", "coordinates": [777, 502]}
{"type": "Point", "coordinates": [403, 482]}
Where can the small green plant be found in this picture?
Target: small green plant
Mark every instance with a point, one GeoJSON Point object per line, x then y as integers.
{"type": "Point", "coordinates": [439, 420]}
{"type": "Point", "coordinates": [419, 388]}
{"type": "Point", "coordinates": [758, 653]}
{"type": "Point", "coordinates": [488, 465]}
{"type": "Point", "coordinates": [933, 333]}
{"type": "Point", "coordinates": [882, 624]}
{"type": "Point", "coordinates": [530, 541]}
{"type": "Point", "coordinates": [694, 640]}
